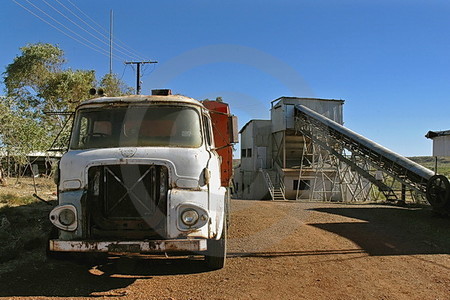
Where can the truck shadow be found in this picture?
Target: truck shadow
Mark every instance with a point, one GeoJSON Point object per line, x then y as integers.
{"type": "Point", "coordinates": [390, 230]}
{"type": "Point", "coordinates": [109, 279]}
{"type": "Point", "coordinates": [25, 271]}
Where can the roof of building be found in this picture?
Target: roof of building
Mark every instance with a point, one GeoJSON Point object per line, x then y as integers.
{"type": "Point", "coordinates": [292, 99]}
{"type": "Point", "coordinates": [249, 122]}
{"type": "Point", "coordinates": [432, 134]}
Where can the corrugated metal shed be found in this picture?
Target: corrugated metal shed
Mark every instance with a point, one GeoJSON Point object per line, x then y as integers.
{"type": "Point", "coordinates": [441, 142]}
{"type": "Point", "coordinates": [282, 111]}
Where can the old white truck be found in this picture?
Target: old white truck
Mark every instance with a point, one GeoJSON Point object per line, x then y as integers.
{"type": "Point", "coordinates": [146, 174]}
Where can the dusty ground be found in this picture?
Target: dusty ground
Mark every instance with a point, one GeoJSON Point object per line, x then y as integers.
{"type": "Point", "coordinates": [277, 250]}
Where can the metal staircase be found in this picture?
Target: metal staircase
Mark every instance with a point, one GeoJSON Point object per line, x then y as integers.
{"type": "Point", "coordinates": [276, 190]}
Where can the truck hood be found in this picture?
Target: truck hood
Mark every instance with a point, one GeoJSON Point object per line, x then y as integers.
{"type": "Point", "coordinates": [185, 165]}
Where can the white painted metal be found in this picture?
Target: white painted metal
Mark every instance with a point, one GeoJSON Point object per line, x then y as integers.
{"type": "Point", "coordinates": [441, 145]}
{"type": "Point", "coordinates": [186, 167]}
{"type": "Point", "coordinates": [154, 246]}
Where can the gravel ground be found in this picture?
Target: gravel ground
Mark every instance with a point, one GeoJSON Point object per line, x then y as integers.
{"type": "Point", "coordinates": [277, 250]}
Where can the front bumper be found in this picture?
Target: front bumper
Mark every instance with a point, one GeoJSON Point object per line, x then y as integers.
{"type": "Point", "coordinates": [154, 246]}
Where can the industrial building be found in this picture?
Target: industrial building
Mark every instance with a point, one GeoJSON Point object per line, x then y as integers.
{"type": "Point", "coordinates": [441, 142]}
{"type": "Point", "coordinates": [277, 161]}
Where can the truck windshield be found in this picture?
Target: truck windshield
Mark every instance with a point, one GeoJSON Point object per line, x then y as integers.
{"type": "Point", "coordinates": [136, 126]}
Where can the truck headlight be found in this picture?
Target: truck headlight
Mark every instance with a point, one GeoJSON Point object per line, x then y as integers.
{"type": "Point", "coordinates": [64, 217]}
{"type": "Point", "coordinates": [67, 217]}
{"type": "Point", "coordinates": [189, 217]}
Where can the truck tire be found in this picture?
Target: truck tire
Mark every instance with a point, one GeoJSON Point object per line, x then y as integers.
{"type": "Point", "coordinates": [217, 251]}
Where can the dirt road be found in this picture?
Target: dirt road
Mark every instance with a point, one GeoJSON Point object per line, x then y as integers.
{"type": "Point", "coordinates": [277, 250]}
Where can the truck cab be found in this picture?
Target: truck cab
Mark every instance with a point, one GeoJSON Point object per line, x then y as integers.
{"type": "Point", "coordinates": [143, 174]}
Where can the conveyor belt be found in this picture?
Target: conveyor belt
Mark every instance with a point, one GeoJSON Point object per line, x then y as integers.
{"type": "Point", "coordinates": [336, 138]}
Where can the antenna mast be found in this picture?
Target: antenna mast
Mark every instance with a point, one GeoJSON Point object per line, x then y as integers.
{"type": "Point", "coordinates": [111, 16]}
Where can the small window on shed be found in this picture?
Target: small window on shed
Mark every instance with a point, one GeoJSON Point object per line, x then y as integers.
{"type": "Point", "coordinates": [243, 152]}
{"type": "Point", "coordinates": [249, 152]}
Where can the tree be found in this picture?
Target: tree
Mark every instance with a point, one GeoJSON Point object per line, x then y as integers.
{"type": "Point", "coordinates": [36, 82]}
{"type": "Point", "coordinates": [20, 135]}
{"type": "Point", "coordinates": [113, 86]}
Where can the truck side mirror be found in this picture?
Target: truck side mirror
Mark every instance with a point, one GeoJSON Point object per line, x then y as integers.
{"type": "Point", "coordinates": [234, 136]}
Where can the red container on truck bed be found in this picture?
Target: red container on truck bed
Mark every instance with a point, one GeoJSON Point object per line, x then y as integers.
{"type": "Point", "coordinates": [225, 133]}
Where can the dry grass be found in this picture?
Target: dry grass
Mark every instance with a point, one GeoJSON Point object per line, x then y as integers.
{"type": "Point", "coordinates": [24, 224]}
{"type": "Point", "coordinates": [429, 162]}
{"type": "Point", "coordinates": [20, 191]}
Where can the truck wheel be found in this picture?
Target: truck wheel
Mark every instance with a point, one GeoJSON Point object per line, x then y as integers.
{"type": "Point", "coordinates": [217, 251]}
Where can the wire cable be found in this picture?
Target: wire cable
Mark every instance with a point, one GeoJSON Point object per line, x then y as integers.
{"type": "Point", "coordinates": [94, 36]}
{"type": "Point", "coordinates": [124, 69]}
{"type": "Point", "coordinates": [105, 52]}
{"type": "Point", "coordinates": [137, 54]}
{"type": "Point", "coordinates": [129, 53]}
{"type": "Point", "coordinates": [60, 30]}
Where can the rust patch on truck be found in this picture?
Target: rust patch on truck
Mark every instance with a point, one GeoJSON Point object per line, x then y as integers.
{"type": "Point", "coordinates": [155, 246]}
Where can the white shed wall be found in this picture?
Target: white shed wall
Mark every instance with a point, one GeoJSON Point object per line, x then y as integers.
{"type": "Point", "coordinates": [441, 145]}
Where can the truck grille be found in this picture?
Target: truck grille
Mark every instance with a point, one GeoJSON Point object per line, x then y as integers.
{"type": "Point", "coordinates": [127, 200]}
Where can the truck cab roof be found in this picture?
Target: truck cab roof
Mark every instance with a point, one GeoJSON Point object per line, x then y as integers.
{"type": "Point", "coordinates": [143, 99]}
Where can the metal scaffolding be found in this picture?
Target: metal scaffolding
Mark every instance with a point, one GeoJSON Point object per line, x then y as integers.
{"type": "Point", "coordinates": [324, 177]}
{"type": "Point", "coordinates": [345, 166]}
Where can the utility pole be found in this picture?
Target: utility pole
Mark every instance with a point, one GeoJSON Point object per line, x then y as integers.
{"type": "Point", "coordinates": [138, 72]}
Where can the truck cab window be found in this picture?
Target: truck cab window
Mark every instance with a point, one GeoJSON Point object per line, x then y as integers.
{"type": "Point", "coordinates": [137, 126]}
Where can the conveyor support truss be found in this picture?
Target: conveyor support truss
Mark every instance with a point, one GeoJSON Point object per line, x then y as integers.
{"type": "Point", "coordinates": [352, 148]}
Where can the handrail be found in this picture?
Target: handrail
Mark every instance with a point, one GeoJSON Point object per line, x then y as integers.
{"type": "Point", "coordinates": [282, 188]}
{"type": "Point", "coordinates": [269, 183]}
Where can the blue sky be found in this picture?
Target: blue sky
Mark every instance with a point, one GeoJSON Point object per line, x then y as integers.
{"type": "Point", "coordinates": [390, 60]}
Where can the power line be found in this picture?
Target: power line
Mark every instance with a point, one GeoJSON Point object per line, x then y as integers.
{"type": "Point", "coordinates": [145, 68]}
{"type": "Point", "coordinates": [70, 30]}
{"type": "Point", "coordinates": [94, 29]}
{"type": "Point", "coordinates": [79, 38]}
{"type": "Point", "coordinates": [134, 52]}
{"type": "Point", "coordinates": [123, 73]}
{"type": "Point", "coordinates": [76, 24]}
{"type": "Point", "coordinates": [60, 30]}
